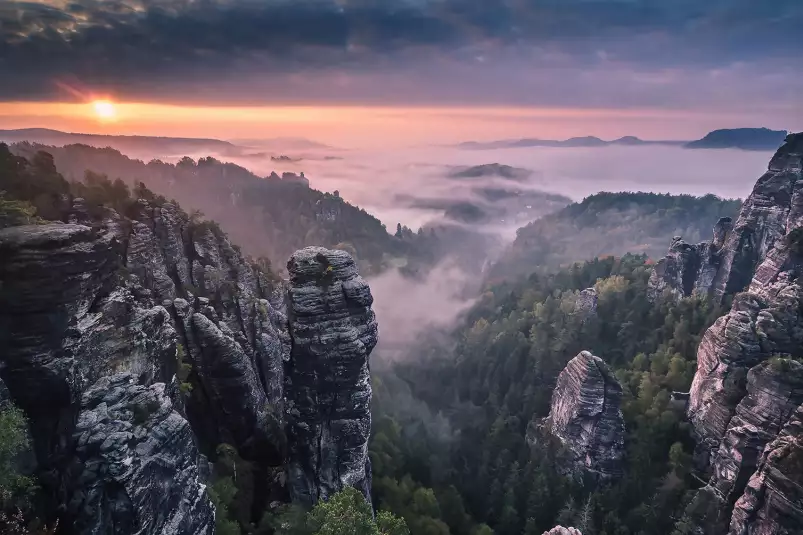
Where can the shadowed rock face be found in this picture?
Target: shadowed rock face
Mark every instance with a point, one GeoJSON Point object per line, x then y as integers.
{"type": "Point", "coordinates": [163, 300]}
{"type": "Point", "coordinates": [690, 269]}
{"type": "Point", "coordinates": [586, 417]}
{"type": "Point", "coordinates": [327, 382]}
{"type": "Point", "coordinates": [139, 454]}
{"type": "Point", "coordinates": [772, 503]}
{"type": "Point", "coordinates": [747, 392]}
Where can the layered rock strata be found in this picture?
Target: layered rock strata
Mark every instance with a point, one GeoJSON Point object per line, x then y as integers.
{"type": "Point", "coordinates": [746, 396]}
{"type": "Point", "coordinates": [105, 315]}
{"type": "Point", "coordinates": [327, 382]}
{"type": "Point", "coordinates": [585, 416]}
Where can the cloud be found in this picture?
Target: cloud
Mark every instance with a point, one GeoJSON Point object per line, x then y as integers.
{"type": "Point", "coordinates": [170, 47]}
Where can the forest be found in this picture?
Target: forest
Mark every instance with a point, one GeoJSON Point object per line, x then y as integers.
{"type": "Point", "coordinates": [611, 224]}
{"type": "Point", "coordinates": [449, 448]}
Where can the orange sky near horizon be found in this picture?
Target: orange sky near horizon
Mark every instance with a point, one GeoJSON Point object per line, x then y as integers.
{"type": "Point", "coordinates": [367, 125]}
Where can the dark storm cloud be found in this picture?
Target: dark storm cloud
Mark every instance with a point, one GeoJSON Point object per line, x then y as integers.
{"type": "Point", "coordinates": [153, 46]}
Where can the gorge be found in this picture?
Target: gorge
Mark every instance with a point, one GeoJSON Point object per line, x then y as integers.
{"type": "Point", "coordinates": [162, 372]}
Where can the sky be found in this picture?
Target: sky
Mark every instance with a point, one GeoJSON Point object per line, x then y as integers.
{"type": "Point", "coordinates": [412, 71]}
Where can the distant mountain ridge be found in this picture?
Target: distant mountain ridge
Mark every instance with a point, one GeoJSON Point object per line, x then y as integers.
{"type": "Point", "coordinates": [46, 136]}
{"type": "Point", "coordinates": [584, 141]}
{"type": "Point", "coordinates": [725, 138]}
{"type": "Point", "coordinates": [740, 138]}
{"type": "Point", "coordinates": [161, 146]}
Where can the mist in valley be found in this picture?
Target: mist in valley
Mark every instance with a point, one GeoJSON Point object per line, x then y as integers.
{"type": "Point", "coordinates": [414, 187]}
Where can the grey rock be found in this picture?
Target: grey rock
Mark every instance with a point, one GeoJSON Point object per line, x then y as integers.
{"type": "Point", "coordinates": [585, 416]}
{"type": "Point", "coordinates": [772, 503]}
{"type": "Point", "coordinates": [748, 385]}
{"type": "Point", "coordinates": [774, 391]}
{"type": "Point", "coordinates": [327, 386]}
{"type": "Point", "coordinates": [138, 464]}
{"type": "Point", "coordinates": [560, 530]}
{"type": "Point", "coordinates": [763, 220]}
{"type": "Point", "coordinates": [690, 269]}
{"type": "Point", "coordinates": [751, 332]}
{"type": "Point", "coordinates": [586, 304]}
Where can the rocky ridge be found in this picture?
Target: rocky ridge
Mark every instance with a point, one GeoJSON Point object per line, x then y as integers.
{"type": "Point", "coordinates": [746, 396]}
{"type": "Point", "coordinates": [327, 382]}
{"type": "Point", "coordinates": [158, 340]}
{"type": "Point", "coordinates": [585, 416]}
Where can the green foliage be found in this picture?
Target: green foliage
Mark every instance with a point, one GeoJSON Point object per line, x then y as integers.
{"type": "Point", "coordinates": [15, 488]}
{"type": "Point", "coordinates": [516, 340]}
{"type": "Point", "coordinates": [612, 224]}
{"type": "Point", "coordinates": [286, 215]}
{"type": "Point", "coordinates": [16, 212]}
{"type": "Point", "coordinates": [347, 513]}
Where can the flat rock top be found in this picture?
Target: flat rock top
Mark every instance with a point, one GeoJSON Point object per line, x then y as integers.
{"type": "Point", "coordinates": [314, 264]}
{"type": "Point", "coordinates": [38, 235]}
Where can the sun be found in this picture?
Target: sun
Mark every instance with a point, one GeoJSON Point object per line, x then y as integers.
{"type": "Point", "coordinates": [104, 109]}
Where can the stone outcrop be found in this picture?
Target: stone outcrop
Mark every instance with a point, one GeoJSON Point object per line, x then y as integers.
{"type": "Point", "coordinates": [106, 314]}
{"type": "Point", "coordinates": [751, 250]}
{"type": "Point", "coordinates": [560, 530]}
{"type": "Point", "coordinates": [747, 392]}
{"type": "Point", "coordinates": [690, 269]}
{"type": "Point", "coordinates": [585, 416]}
{"type": "Point", "coordinates": [586, 304]}
{"type": "Point", "coordinates": [773, 499]}
{"type": "Point", "coordinates": [136, 452]}
{"type": "Point", "coordinates": [327, 382]}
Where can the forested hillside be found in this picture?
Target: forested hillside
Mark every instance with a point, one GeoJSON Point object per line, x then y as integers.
{"type": "Point", "coordinates": [269, 217]}
{"type": "Point", "coordinates": [612, 224]}
{"type": "Point", "coordinates": [499, 383]}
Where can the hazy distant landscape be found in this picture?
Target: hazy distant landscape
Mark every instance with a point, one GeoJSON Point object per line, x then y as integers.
{"type": "Point", "coordinates": [401, 267]}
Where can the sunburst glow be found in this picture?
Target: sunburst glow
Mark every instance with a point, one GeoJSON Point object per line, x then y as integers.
{"type": "Point", "coordinates": [104, 109]}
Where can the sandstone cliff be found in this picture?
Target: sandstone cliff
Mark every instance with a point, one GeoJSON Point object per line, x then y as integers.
{"type": "Point", "coordinates": [746, 396]}
{"type": "Point", "coordinates": [560, 530]}
{"type": "Point", "coordinates": [751, 247]}
{"type": "Point", "coordinates": [134, 344]}
{"type": "Point", "coordinates": [328, 388]}
{"type": "Point", "coordinates": [585, 416]}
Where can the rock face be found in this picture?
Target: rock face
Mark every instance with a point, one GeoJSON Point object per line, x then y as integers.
{"type": "Point", "coordinates": [134, 343]}
{"type": "Point", "coordinates": [773, 499]}
{"type": "Point", "coordinates": [746, 396]}
{"type": "Point", "coordinates": [327, 385]}
{"type": "Point", "coordinates": [586, 304]}
{"type": "Point", "coordinates": [690, 269]}
{"type": "Point", "coordinates": [585, 416]}
{"type": "Point", "coordinates": [139, 454]}
{"type": "Point", "coordinates": [753, 247]}
{"type": "Point", "coordinates": [560, 530]}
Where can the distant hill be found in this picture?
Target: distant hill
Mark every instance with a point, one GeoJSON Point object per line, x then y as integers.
{"type": "Point", "coordinates": [611, 224]}
{"type": "Point", "coordinates": [282, 143]}
{"type": "Point", "coordinates": [491, 170]}
{"type": "Point", "coordinates": [270, 216]}
{"type": "Point", "coordinates": [740, 138]}
{"type": "Point", "coordinates": [586, 141]}
{"type": "Point", "coordinates": [132, 145]}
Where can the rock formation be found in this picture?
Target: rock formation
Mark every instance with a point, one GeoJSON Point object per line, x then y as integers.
{"type": "Point", "coordinates": [132, 343]}
{"type": "Point", "coordinates": [755, 244]}
{"type": "Point", "coordinates": [560, 530]}
{"type": "Point", "coordinates": [745, 399]}
{"type": "Point", "coordinates": [690, 269]}
{"type": "Point", "coordinates": [328, 388]}
{"type": "Point", "coordinates": [585, 416]}
{"type": "Point", "coordinates": [586, 304]}
{"type": "Point", "coordinates": [137, 453]}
